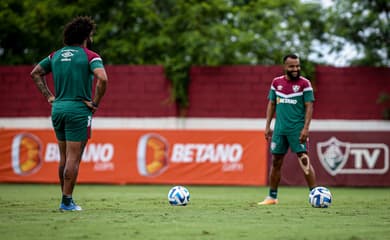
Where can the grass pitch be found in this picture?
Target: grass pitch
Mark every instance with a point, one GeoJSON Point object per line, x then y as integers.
{"type": "Point", "coordinates": [142, 212]}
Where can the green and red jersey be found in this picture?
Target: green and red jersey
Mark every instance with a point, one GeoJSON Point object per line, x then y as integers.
{"type": "Point", "coordinates": [72, 68]}
{"type": "Point", "coordinates": [290, 98]}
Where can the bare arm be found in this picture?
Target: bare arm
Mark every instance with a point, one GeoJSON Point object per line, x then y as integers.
{"type": "Point", "coordinates": [270, 113]}
{"type": "Point", "coordinates": [308, 116]}
{"type": "Point", "coordinates": [38, 76]}
{"type": "Point", "coordinates": [100, 90]}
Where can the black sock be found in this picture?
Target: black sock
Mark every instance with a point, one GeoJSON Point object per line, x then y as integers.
{"type": "Point", "coordinates": [273, 193]}
{"type": "Point", "coordinates": [66, 200]}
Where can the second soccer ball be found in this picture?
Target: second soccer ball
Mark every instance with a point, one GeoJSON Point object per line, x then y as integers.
{"type": "Point", "coordinates": [320, 197]}
{"type": "Point", "coordinates": [178, 196]}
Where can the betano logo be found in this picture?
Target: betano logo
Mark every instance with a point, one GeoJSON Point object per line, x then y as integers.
{"type": "Point", "coordinates": [213, 153]}
{"type": "Point", "coordinates": [153, 155]}
{"type": "Point", "coordinates": [100, 154]}
{"type": "Point", "coordinates": [353, 158]}
{"type": "Point", "coordinates": [286, 100]}
{"type": "Point", "coordinates": [26, 154]}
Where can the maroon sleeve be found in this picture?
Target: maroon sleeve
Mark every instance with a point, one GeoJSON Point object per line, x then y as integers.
{"type": "Point", "coordinates": [91, 55]}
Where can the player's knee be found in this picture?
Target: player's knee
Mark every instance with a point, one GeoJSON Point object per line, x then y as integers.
{"type": "Point", "coordinates": [304, 162]}
{"type": "Point", "coordinates": [304, 159]}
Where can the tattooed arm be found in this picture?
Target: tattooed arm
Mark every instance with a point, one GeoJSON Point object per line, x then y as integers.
{"type": "Point", "coordinates": [38, 76]}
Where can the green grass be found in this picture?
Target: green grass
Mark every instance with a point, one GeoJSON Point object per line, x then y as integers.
{"type": "Point", "coordinates": [142, 212]}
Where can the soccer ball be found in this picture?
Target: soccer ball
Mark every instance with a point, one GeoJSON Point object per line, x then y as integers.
{"type": "Point", "coordinates": [178, 196]}
{"type": "Point", "coordinates": [320, 197]}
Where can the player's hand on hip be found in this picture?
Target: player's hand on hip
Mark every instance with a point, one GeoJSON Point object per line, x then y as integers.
{"type": "Point", "coordinates": [91, 105]}
{"type": "Point", "coordinates": [51, 99]}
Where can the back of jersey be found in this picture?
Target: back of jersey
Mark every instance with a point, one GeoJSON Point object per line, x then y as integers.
{"type": "Point", "coordinates": [71, 73]}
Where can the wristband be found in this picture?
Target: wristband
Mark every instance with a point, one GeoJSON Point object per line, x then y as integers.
{"type": "Point", "coordinates": [95, 105]}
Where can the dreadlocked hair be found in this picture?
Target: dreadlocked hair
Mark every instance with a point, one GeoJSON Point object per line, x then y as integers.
{"type": "Point", "coordinates": [79, 29]}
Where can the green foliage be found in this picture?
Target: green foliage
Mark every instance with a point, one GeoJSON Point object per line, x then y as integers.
{"type": "Point", "coordinates": [364, 24]}
{"type": "Point", "coordinates": [384, 99]}
{"type": "Point", "coordinates": [179, 34]}
{"type": "Point", "coordinates": [142, 212]}
{"type": "Point", "coordinates": [176, 34]}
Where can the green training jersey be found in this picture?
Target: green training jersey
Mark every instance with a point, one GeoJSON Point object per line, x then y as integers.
{"type": "Point", "coordinates": [290, 98]}
{"type": "Point", "coordinates": [72, 68]}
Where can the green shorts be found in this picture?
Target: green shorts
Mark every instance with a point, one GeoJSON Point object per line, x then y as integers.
{"type": "Point", "coordinates": [71, 121]}
{"type": "Point", "coordinates": [281, 143]}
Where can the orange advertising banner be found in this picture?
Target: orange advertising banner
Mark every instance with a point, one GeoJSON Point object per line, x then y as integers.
{"type": "Point", "coordinates": [140, 156]}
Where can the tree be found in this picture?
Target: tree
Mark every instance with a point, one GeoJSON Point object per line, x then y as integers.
{"type": "Point", "coordinates": [174, 33]}
{"type": "Point", "coordinates": [179, 34]}
{"type": "Point", "coordinates": [364, 24]}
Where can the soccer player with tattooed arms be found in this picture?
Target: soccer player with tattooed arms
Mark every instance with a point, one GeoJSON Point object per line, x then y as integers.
{"type": "Point", "coordinates": [74, 67]}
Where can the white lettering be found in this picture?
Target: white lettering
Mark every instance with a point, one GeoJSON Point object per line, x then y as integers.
{"type": "Point", "coordinates": [361, 154]}
{"type": "Point", "coordinates": [288, 100]}
{"type": "Point", "coordinates": [200, 151]}
{"type": "Point", "coordinates": [208, 154]}
{"type": "Point", "coordinates": [220, 153]}
{"type": "Point", "coordinates": [177, 152]}
{"type": "Point", "coordinates": [106, 152]}
{"type": "Point", "coordinates": [188, 152]}
{"type": "Point", "coordinates": [182, 153]}
{"type": "Point", "coordinates": [230, 167]}
{"type": "Point", "coordinates": [371, 160]}
{"type": "Point", "coordinates": [98, 153]}
{"type": "Point", "coordinates": [52, 153]}
{"type": "Point", "coordinates": [92, 153]}
{"type": "Point", "coordinates": [236, 153]}
{"type": "Point", "coordinates": [104, 166]}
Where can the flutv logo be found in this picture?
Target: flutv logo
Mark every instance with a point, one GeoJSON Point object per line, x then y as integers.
{"type": "Point", "coordinates": [339, 157]}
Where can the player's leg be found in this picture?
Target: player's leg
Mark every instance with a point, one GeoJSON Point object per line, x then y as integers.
{"type": "Point", "coordinates": [58, 120]}
{"type": "Point", "coordinates": [308, 169]}
{"type": "Point", "coordinates": [61, 165]}
{"type": "Point", "coordinates": [77, 134]}
{"type": "Point", "coordinates": [279, 147]}
{"type": "Point", "coordinates": [74, 152]}
{"type": "Point", "coordinates": [304, 160]}
{"type": "Point", "coordinates": [275, 175]}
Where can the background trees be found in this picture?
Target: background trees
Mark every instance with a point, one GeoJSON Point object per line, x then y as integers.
{"type": "Point", "coordinates": [365, 25]}
{"type": "Point", "coordinates": [181, 33]}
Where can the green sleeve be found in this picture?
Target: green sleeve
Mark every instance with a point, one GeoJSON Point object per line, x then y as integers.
{"type": "Point", "coordinates": [272, 95]}
{"type": "Point", "coordinates": [308, 96]}
{"type": "Point", "coordinates": [96, 64]}
{"type": "Point", "coordinates": [46, 64]}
